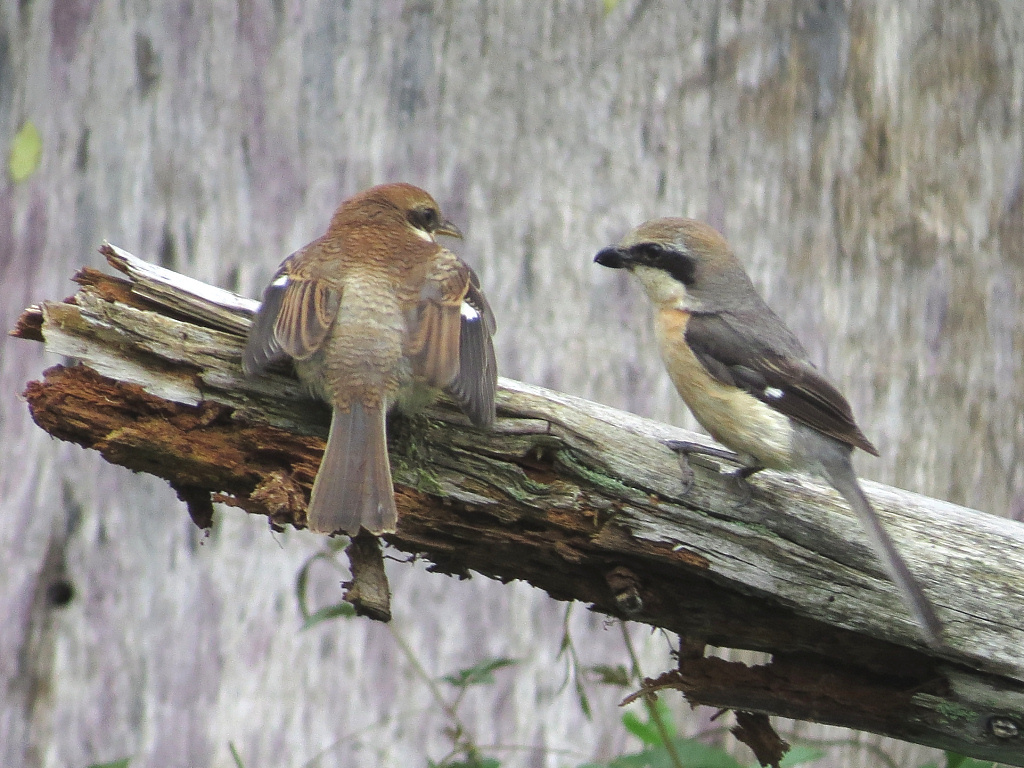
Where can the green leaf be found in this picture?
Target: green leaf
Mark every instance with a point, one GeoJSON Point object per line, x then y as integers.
{"type": "Point", "coordinates": [609, 6]}
{"type": "Point", "coordinates": [581, 696]}
{"type": "Point", "coordinates": [328, 612]}
{"type": "Point", "coordinates": [301, 584]}
{"type": "Point", "coordinates": [566, 642]}
{"type": "Point", "coordinates": [665, 714]}
{"type": "Point", "coordinates": [122, 763]}
{"type": "Point", "coordinates": [479, 674]}
{"type": "Point", "coordinates": [235, 756]}
{"type": "Point", "coordinates": [635, 760]}
{"type": "Point", "coordinates": [474, 762]}
{"type": "Point", "coordinates": [692, 754]}
{"type": "Point", "coordinates": [618, 675]}
{"type": "Point", "coordinates": [954, 760]}
{"type": "Point", "coordinates": [695, 754]}
{"type": "Point", "coordinates": [801, 753]}
{"type": "Point", "coordinates": [645, 731]}
{"type": "Point", "coordinates": [26, 154]}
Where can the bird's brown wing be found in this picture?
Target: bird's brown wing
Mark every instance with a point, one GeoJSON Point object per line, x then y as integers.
{"type": "Point", "coordinates": [292, 321]}
{"type": "Point", "coordinates": [449, 342]}
{"type": "Point", "coordinates": [733, 353]}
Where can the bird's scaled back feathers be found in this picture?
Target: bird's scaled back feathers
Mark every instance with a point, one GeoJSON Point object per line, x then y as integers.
{"type": "Point", "coordinates": [387, 230]}
{"type": "Point", "coordinates": [373, 306]}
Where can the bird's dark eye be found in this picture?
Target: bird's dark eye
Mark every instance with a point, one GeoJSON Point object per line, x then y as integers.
{"type": "Point", "coordinates": [679, 264]}
{"type": "Point", "coordinates": [649, 253]}
{"type": "Point", "coordinates": [426, 219]}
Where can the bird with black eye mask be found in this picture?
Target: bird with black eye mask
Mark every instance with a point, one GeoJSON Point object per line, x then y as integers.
{"type": "Point", "coordinates": [747, 379]}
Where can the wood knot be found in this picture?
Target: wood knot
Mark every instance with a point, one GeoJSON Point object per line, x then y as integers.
{"type": "Point", "coordinates": [1004, 728]}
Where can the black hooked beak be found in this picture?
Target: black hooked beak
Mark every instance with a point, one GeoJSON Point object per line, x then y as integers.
{"type": "Point", "coordinates": [614, 258]}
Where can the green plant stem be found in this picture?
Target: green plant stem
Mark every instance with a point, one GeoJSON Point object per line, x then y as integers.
{"type": "Point", "coordinates": [573, 665]}
{"type": "Point", "coordinates": [458, 729]}
{"type": "Point", "coordinates": [575, 754]}
{"type": "Point", "coordinates": [419, 669]}
{"type": "Point", "coordinates": [652, 711]}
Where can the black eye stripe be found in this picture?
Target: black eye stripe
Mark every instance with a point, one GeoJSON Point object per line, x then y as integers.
{"type": "Point", "coordinates": [680, 265]}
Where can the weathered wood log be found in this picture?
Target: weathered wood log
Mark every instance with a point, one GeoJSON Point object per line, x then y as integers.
{"type": "Point", "coordinates": [581, 500]}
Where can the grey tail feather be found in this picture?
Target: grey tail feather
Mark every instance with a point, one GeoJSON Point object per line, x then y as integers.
{"type": "Point", "coordinates": [845, 481]}
{"type": "Point", "coordinates": [353, 486]}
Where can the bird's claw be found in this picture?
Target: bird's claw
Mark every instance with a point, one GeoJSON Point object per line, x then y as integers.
{"type": "Point", "coordinates": [687, 472]}
{"type": "Point", "coordinates": [738, 477]}
{"type": "Point", "coordinates": [684, 449]}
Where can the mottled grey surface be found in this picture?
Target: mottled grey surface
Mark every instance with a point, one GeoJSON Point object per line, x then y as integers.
{"type": "Point", "coordinates": [865, 160]}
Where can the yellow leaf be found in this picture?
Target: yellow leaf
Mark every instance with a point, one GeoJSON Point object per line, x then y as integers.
{"type": "Point", "coordinates": [26, 152]}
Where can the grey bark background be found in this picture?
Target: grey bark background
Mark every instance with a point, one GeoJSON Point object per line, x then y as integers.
{"type": "Point", "coordinates": [865, 160]}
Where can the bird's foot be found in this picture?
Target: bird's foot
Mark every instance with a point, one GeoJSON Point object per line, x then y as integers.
{"type": "Point", "coordinates": [685, 449]}
{"type": "Point", "coordinates": [738, 477]}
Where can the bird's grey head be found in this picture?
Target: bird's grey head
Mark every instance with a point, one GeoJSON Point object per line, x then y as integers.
{"type": "Point", "coordinates": [681, 263]}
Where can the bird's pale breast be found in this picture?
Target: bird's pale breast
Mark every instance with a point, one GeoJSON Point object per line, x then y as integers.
{"type": "Point", "coordinates": [760, 434]}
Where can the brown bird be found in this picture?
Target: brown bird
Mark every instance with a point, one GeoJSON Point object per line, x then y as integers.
{"type": "Point", "coordinates": [747, 379]}
{"type": "Point", "coordinates": [375, 312]}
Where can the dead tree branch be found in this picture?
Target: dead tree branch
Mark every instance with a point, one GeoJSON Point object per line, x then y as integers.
{"type": "Point", "coordinates": [580, 500]}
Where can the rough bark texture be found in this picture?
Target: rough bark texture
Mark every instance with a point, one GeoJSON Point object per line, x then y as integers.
{"type": "Point", "coordinates": [865, 159]}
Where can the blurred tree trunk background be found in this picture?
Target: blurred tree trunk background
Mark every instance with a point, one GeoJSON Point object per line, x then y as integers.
{"type": "Point", "coordinates": [865, 159]}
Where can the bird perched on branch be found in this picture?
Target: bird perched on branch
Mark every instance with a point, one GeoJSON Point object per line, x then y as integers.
{"type": "Point", "coordinates": [747, 379]}
{"type": "Point", "coordinates": [376, 312]}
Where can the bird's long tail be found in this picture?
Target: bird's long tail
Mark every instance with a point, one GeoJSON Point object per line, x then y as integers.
{"type": "Point", "coordinates": [845, 481]}
{"type": "Point", "coordinates": [353, 487]}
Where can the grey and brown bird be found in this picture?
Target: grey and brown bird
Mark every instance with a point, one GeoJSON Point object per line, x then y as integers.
{"type": "Point", "coordinates": [373, 313]}
{"type": "Point", "coordinates": [747, 379]}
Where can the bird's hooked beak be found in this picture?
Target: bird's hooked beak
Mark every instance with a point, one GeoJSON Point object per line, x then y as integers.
{"type": "Point", "coordinates": [447, 228]}
{"type": "Point", "coordinates": [614, 258]}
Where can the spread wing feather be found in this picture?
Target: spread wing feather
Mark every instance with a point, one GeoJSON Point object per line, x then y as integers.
{"type": "Point", "coordinates": [292, 321]}
{"type": "Point", "coordinates": [307, 311]}
{"type": "Point", "coordinates": [476, 384]}
{"type": "Point", "coordinates": [449, 341]}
